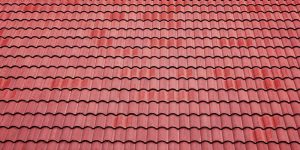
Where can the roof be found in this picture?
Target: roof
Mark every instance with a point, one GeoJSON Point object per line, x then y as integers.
{"type": "Point", "coordinates": [150, 74]}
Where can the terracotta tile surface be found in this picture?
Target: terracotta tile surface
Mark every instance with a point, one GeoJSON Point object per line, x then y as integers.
{"type": "Point", "coordinates": [150, 74]}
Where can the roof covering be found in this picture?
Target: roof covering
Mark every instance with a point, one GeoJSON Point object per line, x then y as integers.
{"type": "Point", "coordinates": [150, 74]}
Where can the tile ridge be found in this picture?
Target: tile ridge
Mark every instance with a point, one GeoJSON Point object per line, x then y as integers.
{"type": "Point", "coordinates": [131, 11]}
{"type": "Point", "coordinates": [93, 4]}
{"type": "Point", "coordinates": [138, 28]}
{"type": "Point", "coordinates": [140, 47]}
{"type": "Point", "coordinates": [149, 101]}
{"type": "Point", "coordinates": [150, 89]}
{"type": "Point", "coordinates": [148, 78]}
{"type": "Point", "coordinates": [146, 67]}
{"type": "Point", "coordinates": [146, 142]}
{"type": "Point", "coordinates": [143, 57]}
{"type": "Point", "coordinates": [137, 37]}
{"type": "Point", "coordinates": [155, 20]}
{"type": "Point", "coordinates": [150, 127]}
{"type": "Point", "coordinates": [150, 114]}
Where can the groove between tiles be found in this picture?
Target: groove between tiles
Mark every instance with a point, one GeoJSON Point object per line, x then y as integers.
{"type": "Point", "coordinates": [165, 48]}
{"type": "Point", "coordinates": [137, 37]}
{"type": "Point", "coordinates": [147, 142]}
{"type": "Point", "coordinates": [144, 57]}
{"type": "Point", "coordinates": [153, 67]}
{"type": "Point", "coordinates": [149, 101]}
{"type": "Point", "coordinates": [151, 114]}
{"type": "Point", "coordinates": [144, 29]}
{"type": "Point", "coordinates": [131, 11]}
{"type": "Point", "coordinates": [184, 5]}
{"type": "Point", "coordinates": [150, 127]}
{"type": "Point", "coordinates": [140, 47]}
{"type": "Point", "coordinates": [148, 78]}
{"type": "Point", "coordinates": [150, 89]}
{"type": "Point", "coordinates": [157, 20]}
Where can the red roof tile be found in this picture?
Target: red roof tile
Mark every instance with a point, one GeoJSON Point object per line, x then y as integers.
{"type": "Point", "coordinates": [160, 74]}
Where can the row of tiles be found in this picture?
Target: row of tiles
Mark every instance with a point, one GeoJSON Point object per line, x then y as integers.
{"type": "Point", "coordinates": [148, 146]}
{"type": "Point", "coordinates": [153, 52]}
{"type": "Point", "coordinates": [210, 24]}
{"type": "Point", "coordinates": [152, 95]}
{"type": "Point", "coordinates": [157, 7]}
{"type": "Point", "coordinates": [153, 84]}
{"type": "Point", "coordinates": [115, 15]}
{"type": "Point", "coordinates": [177, 2]}
{"type": "Point", "coordinates": [153, 73]}
{"type": "Point", "coordinates": [138, 42]}
{"type": "Point", "coordinates": [191, 62]}
{"type": "Point", "coordinates": [144, 108]}
{"type": "Point", "coordinates": [151, 121]}
{"type": "Point", "coordinates": [155, 33]}
{"type": "Point", "coordinates": [150, 135]}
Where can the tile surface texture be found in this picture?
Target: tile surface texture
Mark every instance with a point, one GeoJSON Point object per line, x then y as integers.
{"type": "Point", "coordinates": [150, 74]}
